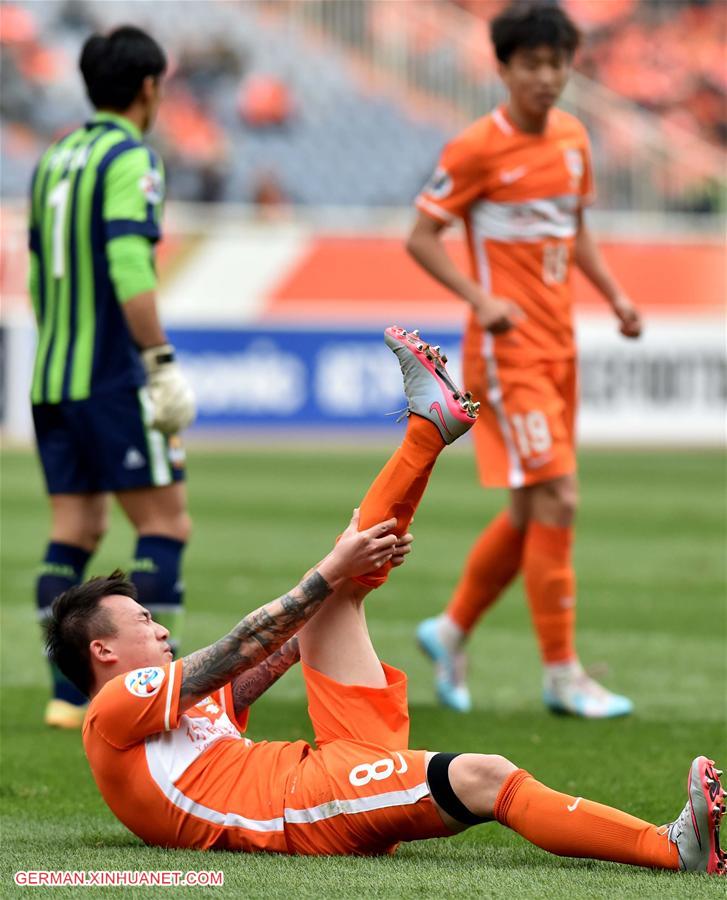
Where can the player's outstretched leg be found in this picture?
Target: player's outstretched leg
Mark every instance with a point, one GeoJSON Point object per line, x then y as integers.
{"type": "Point", "coordinates": [574, 826]}
{"type": "Point", "coordinates": [438, 413]}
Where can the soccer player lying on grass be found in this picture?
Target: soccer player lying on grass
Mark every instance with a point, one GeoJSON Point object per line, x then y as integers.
{"type": "Point", "coordinates": [163, 736]}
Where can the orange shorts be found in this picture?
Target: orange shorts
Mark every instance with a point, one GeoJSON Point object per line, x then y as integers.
{"type": "Point", "coordinates": [362, 791]}
{"type": "Point", "coordinates": [525, 433]}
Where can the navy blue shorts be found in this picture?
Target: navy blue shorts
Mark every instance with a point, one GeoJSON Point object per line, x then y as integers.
{"type": "Point", "coordinates": [104, 444]}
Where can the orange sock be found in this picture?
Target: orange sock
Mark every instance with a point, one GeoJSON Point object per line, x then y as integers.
{"type": "Point", "coordinates": [493, 562]}
{"type": "Point", "coordinates": [550, 585]}
{"type": "Point", "coordinates": [572, 826]}
{"type": "Point", "coordinates": [399, 486]}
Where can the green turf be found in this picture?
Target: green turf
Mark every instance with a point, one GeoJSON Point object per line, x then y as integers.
{"type": "Point", "coordinates": [650, 557]}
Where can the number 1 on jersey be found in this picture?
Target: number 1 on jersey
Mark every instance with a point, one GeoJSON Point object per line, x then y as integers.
{"type": "Point", "coordinates": [58, 202]}
{"type": "Point", "coordinates": [555, 264]}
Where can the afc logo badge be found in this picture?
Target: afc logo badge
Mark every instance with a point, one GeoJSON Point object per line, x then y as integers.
{"type": "Point", "coordinates": [439, 185]}
{"type": "Point", "coordinates": [574, 164]}
{"type": "Point", "coordinates": [144, 682]}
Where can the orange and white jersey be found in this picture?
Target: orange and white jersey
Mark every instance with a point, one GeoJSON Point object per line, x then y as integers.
{"type": "Point", "coordinates": [186, 778]}
{"type": "Point", "coordinates": [520, 196]}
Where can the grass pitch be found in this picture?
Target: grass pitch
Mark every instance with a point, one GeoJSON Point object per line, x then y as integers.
{"type": "Point", "coordinates": [651, 566]}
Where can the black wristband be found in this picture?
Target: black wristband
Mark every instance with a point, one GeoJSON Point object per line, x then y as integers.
{"type": "Point", "coordinates": [166, 357]}
{"type": "Point", "coordinates": [442, 793]}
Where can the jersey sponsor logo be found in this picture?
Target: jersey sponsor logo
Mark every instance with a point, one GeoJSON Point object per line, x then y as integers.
{"type": "Point", "coordinates": [508, 176]}
{"type": "Point", "coordinates": [152, 186]}
{"type": "Point", "coordinates": [134, 459]}
{"type": "Point", "coordinates": [537, 462]}
{"type": "Point", "coordinates": [526, 221]}
{"type": "Point", "coordinates": [144, 682]}
{"type": "Point", "coordinates": [440, 184]}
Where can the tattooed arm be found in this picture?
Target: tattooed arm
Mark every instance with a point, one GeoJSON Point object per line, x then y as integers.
{"type": "Point", "coordinates": [246, 688]}
{"type": "Point", "coordinates": [251, 641]}
{"type": "Point", "coordinates": [265, 630]}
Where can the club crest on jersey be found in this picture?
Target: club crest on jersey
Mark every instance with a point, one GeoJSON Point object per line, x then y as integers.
{"type": "Point", "coordinates": [440, 184]}
{"type": "Point", "coordinates": [152, 187]}
{"type": "Point", "coordinates": [144, 682]}
{"type": "Point", "coordinates": [574, 163]}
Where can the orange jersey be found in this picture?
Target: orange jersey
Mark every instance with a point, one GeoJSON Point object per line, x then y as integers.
{"type": "Point", "coordinates": [186, 778]}
{"type": "Point", "coordinates": [520, 196]}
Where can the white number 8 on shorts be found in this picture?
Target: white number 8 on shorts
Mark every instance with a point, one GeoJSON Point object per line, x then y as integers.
{"type": "Point", "coordinates": [376, 771]}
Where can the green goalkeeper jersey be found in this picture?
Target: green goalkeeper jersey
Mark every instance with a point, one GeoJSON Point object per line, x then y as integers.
{"type": "Point", "coordinates": [95, 211]}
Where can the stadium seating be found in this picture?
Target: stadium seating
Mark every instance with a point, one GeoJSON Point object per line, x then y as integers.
{"type": "Point", "coordinates": [341, 144]}
{"type": "Point", "coordinates": [344, 135]}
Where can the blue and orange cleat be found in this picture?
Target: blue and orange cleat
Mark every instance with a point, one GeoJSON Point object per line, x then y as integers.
{"type": "Point", "coordinates": [429, 389]}
{"type": "Point", "coordinates": [572, 692]}
{"type": "Point", "coordinates": [696, 831]}
{"type": "Point", "coordinates": [450, 664]}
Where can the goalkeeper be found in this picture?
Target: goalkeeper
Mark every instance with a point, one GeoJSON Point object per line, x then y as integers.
{"type": "Point", "coordinates": [163, 738]}
{"type": "Point", "coordinates": [108, 397]}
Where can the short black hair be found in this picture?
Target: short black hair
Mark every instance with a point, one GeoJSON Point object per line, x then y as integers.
{"type": "Point", "coordinates": [76, 619]}
{"type": "Point", "coordinates": [114, 66]}
{"type": "Point", "coordinates": [529, 25]}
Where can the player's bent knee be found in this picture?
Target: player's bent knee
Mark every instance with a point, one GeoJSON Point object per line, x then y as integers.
{"type": "Point", "coordinates": [177, 526]}
{"type": "Point", "coordinates": [79, 533]}
{"type": "Point", "coordinates": [488, 773]}
{"type": "Point", "coordinates": [497, 769]}
{"type": "Point", "coordinates": [556, 502]}
{"type": "Point", "coordinates": [97, 535]}
{"type": "Point", "coordinates": [182, 525]}
{"type": "Point", "coordinates": [567, 499]}
{"type": "Point", "coordinates": [466, 785]}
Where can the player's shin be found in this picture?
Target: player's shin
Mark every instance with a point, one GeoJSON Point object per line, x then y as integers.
{"type": "Point", "coordinates": [550, 585]}
{"type": "Point", "coordinates": [493, 562]}
{"type": "Point", "coordinates": [574, 826]}
{"type": "Point", "coordinates": [400, 485]}
{"type": "Point", "coordinates": [156, 572]}
{"type": "Point", "coordinates": [62, 568]}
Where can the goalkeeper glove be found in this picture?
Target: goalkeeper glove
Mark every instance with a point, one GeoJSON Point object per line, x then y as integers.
{"type": "Point", "coordinates": [171, 395]}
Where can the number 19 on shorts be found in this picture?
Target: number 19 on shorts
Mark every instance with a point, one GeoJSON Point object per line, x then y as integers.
{"type": "Point", "coordinates": [532, 433]}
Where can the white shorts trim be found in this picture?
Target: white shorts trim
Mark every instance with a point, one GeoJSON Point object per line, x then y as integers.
{"type": "Point", "coordinates": [352, 807]}
{"type": "Point", "coordinates": [426, 206]}
{"type": "Point", "coordinates": [515, 476]}
{"type": "Point", "coordinates": [170, 695]}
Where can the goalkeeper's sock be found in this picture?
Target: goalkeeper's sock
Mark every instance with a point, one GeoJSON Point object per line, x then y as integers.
{"type": "Point", "coordinates": [62, 568]}
{"type": "Point", "coordinates": [493, 562]}
{"type": "Point", "coordinates": [399, 486]}
{"type": "Point", "coordinates": [573, 826]}
{"type": "Point", "coordinates": [551, 588]}
{"type": "Point", "coordinates": [156, 572]}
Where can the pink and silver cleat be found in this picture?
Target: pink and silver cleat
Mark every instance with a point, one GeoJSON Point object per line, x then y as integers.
{"type": "Point", "coordinates": [429, 390]}
{"type": "Point", "coordinates": [696, 831]}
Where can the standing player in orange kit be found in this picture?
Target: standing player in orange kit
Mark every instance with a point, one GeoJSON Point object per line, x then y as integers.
{"type": "Point", "coordinates": [520, 178]}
